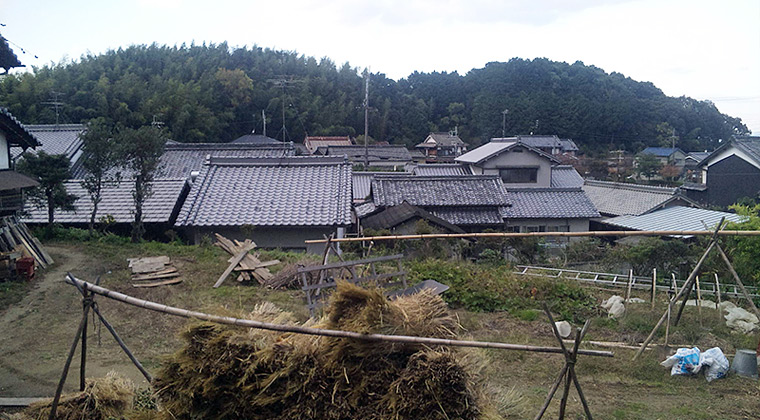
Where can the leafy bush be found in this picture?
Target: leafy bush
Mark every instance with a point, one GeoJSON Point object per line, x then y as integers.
{"type": "Point", "coordinates": [484, 288]}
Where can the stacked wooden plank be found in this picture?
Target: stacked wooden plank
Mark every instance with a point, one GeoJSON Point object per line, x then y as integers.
{"type": "Point", "coordinates": [249, 267]}
{"type": "Point", "coordinates": [153, 272]}
{"type": "Point", "coordinates": [15, 236]}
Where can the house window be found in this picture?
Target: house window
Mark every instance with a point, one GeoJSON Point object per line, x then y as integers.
{"type": "Point", "coordinates": [518, 175]}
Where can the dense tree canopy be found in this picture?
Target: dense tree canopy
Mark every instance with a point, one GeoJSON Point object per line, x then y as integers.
{"type": "Point", "coordinates": [211, 93]}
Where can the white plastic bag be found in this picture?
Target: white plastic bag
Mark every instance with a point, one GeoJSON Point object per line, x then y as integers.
{"type": "Point", "coordinates": [716, 362]}
{"type": "Point", "coordinates": [685, 362]}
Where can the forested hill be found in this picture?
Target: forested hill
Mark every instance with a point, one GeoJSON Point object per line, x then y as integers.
{"type": "Point", "coordinates": [213, 93]}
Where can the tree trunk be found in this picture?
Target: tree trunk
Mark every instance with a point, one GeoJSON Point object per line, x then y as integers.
{"type": "Point", "coordinates": [50, 205]}
{"type": "Point", "coordinates": [137, 226]}
{"type": "Point", "coordinates": [94, 212]}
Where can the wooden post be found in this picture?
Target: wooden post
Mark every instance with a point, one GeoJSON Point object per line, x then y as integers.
{"type": "Point", "coordinates": [738, 281]}
{"type": "Point", "coordinates": [717, 293]}
{"type": "Point", "coordinates": [86, 302]}
{"type": "Point", "coordinates": [654, 285]}
{"type": "Point", "coordinates": [699, 301]}
{"type": "Point", "coordinates": [122, 345]}
{"type": "Point", "coordinates": [667, 326]}
{"type": "Point", "coordinates": [675, 284]}
{"type": "Point", "coordinates": [630, 283]}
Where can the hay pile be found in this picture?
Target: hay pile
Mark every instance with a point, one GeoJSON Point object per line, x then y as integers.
{"type": "Point", "coordinates": [233, 373]}
{"type": "Point", "coordinates": [102, 399]}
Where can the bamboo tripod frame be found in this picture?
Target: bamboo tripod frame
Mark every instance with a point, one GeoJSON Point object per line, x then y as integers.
{"type": "Point", "coordinates": [688, 286]}
{"type": "Point", "coordinates": [567, 372]}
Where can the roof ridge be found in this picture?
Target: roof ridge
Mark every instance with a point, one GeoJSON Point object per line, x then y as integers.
{"type": "Point", "coordinates": [633, 187]}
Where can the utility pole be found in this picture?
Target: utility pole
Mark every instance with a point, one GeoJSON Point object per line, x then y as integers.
{"type": "Point", "coordinates": [366, 118]}
{"type": "Point", "coordinates": [504, 123]}
{"type": "Point", "coordinates": [264, 119]}
{"type": "Point", "coordinates": [55, 103]}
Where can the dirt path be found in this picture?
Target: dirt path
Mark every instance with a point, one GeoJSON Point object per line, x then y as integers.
{"type": "Point", "coordinates": [32, 340]}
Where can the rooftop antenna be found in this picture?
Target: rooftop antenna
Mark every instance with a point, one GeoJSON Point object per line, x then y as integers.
{"type": "Point", "coordinates": [55, 103]}
{"type": "Point", "coordinates": [156, 122]}
{"type": "Point", "coordinates": [284, 82]}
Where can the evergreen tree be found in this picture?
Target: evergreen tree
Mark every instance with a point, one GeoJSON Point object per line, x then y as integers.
{"type": "Point", "coordinates": [100, 160]}
{"type": "Point", "coordinates": [51, 171]}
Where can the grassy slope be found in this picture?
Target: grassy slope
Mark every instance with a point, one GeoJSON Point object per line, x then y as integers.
{"type": "Point", "coordinates": [38, 330]}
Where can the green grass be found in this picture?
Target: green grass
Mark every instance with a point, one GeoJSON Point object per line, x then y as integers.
{"type": "Point", "coordinates": [12, 292]}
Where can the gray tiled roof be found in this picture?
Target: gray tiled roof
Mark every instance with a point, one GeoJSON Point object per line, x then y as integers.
{"type": "Point", "coordinates": [441, 169]}
{"type": "Point", "coordinates": [179, 159]}
{"type": "Point", "coordinates": [495, 148]}
{"type": "Point", "coordinates": [117, 201]}
{"type": "Point", "coordinates": [443, 140]}
{"type": "Point", "coordinates": [473, 190]}
{"type": "Point", "coordinates": [290, 191]}
{"type": "Point", "coordinates": [565, 176]}
{"type": "Point", "coordinates": [374, 152]}
{"type": "Point", "coordinates": [613, 198]}
{"type": "Point", "coordinates": [543, 142]}
{"type": "Point", "coordinates": [469, 216]}
{"type": "Point", "coordinates": [549, 203]}
{"type": "Point", "coordinates": [365, 209]}
{"type": "Point", "coordinates": [362, 182]}
{"type": "Point", "coordinates": [674, 218]}
{"type": "Point", "coordinates": [55, 139]}
{"type": "Point", "coordinates": [17, 133]}
{"type": "Point", "coordinates": [255, 139]}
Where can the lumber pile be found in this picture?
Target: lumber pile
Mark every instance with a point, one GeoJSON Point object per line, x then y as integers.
{"type": "Point", "coordinates": [249, 267]}
{"type": "Point", "coordinates": [153, 271]}
{"type": "Point", "coordinates": [15, 236]}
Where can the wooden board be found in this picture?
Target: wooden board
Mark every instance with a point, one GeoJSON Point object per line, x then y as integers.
{"type": "Point", "coordinates": [156, 277]}
{"type": "Point", "coordinates": [261, 265]}
{"type": "Point", "coordinates": [239, 257]}
{"type": "Point", "coordinates": [19, 402]}
{"type": "Point", "coordinates": [158, 283]}
{"type": "Point", "coordinates": [148, 260]}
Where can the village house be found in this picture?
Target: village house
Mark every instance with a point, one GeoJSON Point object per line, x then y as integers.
{"type": "Point", "coordinates": [276, 202]}
{"type": "Point", "coordinates": [56, 139]}
{"type": "Point", "coordinates": [312, 143]}
{"type": "Point", "coordinates": [442, 147]}
{"type": "Point", "coordinates": [667, 155]}
{"type": "Point", "coordinates": [551, 145]}
{"type": "Point", "coordinates": [729, 173]}
{"type": "Point", "coordinates": [378, 156]}
{"type": "Point", "coordinates": [13, 134]}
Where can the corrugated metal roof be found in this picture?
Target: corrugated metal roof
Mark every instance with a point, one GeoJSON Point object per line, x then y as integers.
{"type": "Point", "coordinates": [117, 201]}
{"type": "Point", "coordinates": [674, 218]}
{"type": "Point", "coordinates": [441, 169]}
{"type": "Point", "coordinates": [484, 152]}
{"type": "Point", "coordinates": [362, 182]}
{"type": "Point", "coordinates": [290, 191]}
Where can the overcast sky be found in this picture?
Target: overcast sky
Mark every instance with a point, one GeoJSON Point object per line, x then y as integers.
{"type": "Point", "coordinates": [702, 49]}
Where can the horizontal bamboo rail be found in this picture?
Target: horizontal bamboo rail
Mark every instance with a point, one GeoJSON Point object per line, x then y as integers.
{"type": "Point", "coordinates": [542, 234]}
{"type": "Point", "coordinates": [140, 303]}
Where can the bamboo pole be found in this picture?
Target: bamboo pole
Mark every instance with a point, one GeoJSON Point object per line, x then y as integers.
{"type": "Point", "coordinates": [654, 285]}
{"type": "Point", "coordinates": [83, 360]}
{"type": "Point", "coordinates": [630, 284]}
{"type": "Point", "coordinates": [67, 365]}
{"type": "Point", "coordinates": [123, 346]}
{"type": "Point", "coordinates": [592, 233]}
{"type": "Point", "coordinates": [552, 391]}
{"type": "Point", "coordinates": [699, 301]}
{"type": "Point", "coordinates": [140, 303]}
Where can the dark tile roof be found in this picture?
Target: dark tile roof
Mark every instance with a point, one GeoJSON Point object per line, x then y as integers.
{"type": "Point", "coordinates": [365, 209]}
{"type": "Point", "coordinates": [289, 191]}
{"type": "Point", "coordinates": [117, 201]}
{"type": "Point", "coordinates": [565, 176]}
{"type": "Point", "coordinates": [616, 199]}
{"type": "Point", "coordinates": [661, 151]}
{"type": "Point", "coordinates": [312, 143]}
{"type": "Point", "coordinates": [697, 156]}
{"type": "Point", "coordinates": [396, 215]}
{"type": "Point", "coordinates": [750, 145]}
{"type": "Point", "coordinates": [255, 139]}
{"type": "Point", "coordinates": [473, 190]}
{"type": "Point", "coordinates": [549, 203]}
{"type": "Point", "coordinates": [17, 134]}
{"type": "Point", "coordinates": [11, 180]}
{"type": "Point", "coordinates": [470, 216]}
{"type": "Point", "coordinates": [441, 169]}
{"type": "Point", "coordinates": [374, 152]}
